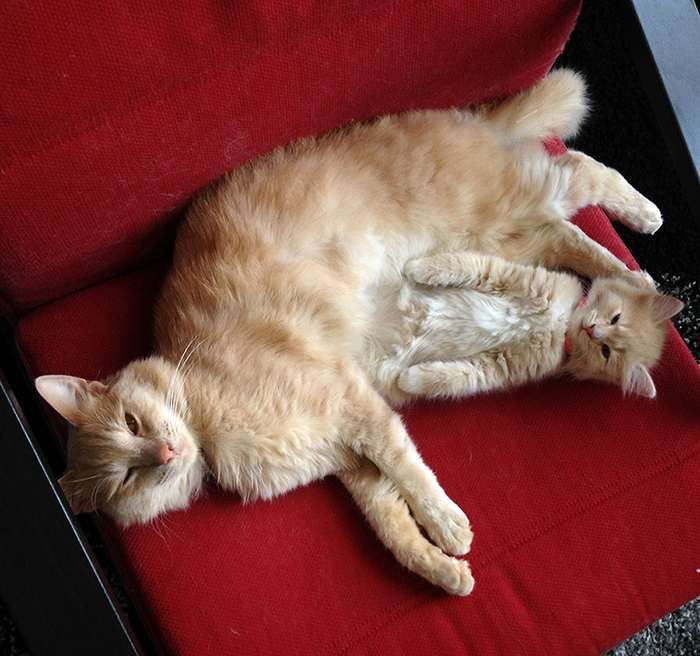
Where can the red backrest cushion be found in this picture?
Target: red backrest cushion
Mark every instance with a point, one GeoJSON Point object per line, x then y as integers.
{"type": "Point", "coordinates": [114, 113]}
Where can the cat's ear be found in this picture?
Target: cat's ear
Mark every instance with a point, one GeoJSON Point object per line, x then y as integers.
{"type": "Point", "coordinates": [664, 307]}
{"type": "Point", "coordinates": [638, 381]}
{"type": "Point", "coordinates": [77, 502]}
{"type": "Point", "coordinates": [67, 394]}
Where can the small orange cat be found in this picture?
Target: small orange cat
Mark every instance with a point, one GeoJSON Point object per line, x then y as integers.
{"type": "Point", "coordinates": [466, 323]}
{"type": "Point", "coordinates": [263, 319]}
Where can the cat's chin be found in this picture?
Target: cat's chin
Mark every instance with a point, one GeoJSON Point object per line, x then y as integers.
{"type": "Point", "coordinates": [186, 474]}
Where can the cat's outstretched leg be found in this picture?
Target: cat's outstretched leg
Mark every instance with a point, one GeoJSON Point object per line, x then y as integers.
{"type": "Point", "coordinates": [559, 244]}
{"type": "Point", "coordinates": [380, 436]}
{"type": "Point", "coordinates": [593, 183]}
{"type": "Point", "coordinates": [388, 514]}
{"type": "Point", "coordinates": [484, 372]}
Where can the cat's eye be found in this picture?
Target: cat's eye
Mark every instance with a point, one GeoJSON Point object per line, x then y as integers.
{"type": "Point", "coordinates": [128, 476]}
{"type": "Point", "coordinates": [131, 423]}
{"type": "Point", "coordinates": [606, 351]}
{"type": "Point", "coordinates": [615, 319]}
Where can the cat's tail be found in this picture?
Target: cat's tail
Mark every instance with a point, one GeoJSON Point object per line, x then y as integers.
{"type": "Point", "coordinates": [556, 105]}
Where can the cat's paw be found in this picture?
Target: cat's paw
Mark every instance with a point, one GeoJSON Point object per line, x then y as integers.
{"type": "Point", "coordinates": [642, 216]}
{"type": "Point", "coordinates": [448, 527]}
{"type": "Point", "coordinates": [642, 279]}
{"type": "Point", "coordinates": [649, 218]}
{"type": "Point", "coordinates": [451, 574]}
{"type": "Point", "coordinates": [454, 576]}
{"type": "Point", "coordinates": [455, 532]}
{"type": "Point", "coordinates": [416, 271]}
{"type": "Point", "coordinates": [411, 380]}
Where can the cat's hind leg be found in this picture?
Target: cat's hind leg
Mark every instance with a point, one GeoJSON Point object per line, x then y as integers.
{"type": "Point", "coordinates": [593, 183]}
{"type": "Point", "coordinates": [484, 372]}
{"type": "Point", "coordinates": [388, 514]}
{"type": "Point", "coordinates": [454, 379]}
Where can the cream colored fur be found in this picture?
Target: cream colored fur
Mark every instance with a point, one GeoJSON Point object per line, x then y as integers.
{"type": "Point", "coordinates": [467, 323]}
{"type": "Point", "coordinates": [277, 273]}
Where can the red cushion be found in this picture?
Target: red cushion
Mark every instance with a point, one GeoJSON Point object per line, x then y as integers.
{"type": "Point", "coordinates": [115, 113]}
{"type": "Point", "coordinates": [584, 505]}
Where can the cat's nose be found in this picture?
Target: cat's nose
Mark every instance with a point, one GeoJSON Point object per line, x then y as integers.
{"type": "Point", "coordinates": [590, 330]}
{"type": "Point", "coordinates": [165, 454]}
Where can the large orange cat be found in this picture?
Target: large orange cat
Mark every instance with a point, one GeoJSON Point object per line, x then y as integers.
{"type": "Point", "coordinates": [262, 322]}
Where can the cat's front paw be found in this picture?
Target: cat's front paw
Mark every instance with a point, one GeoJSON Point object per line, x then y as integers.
{"type": "Point", "coordinates": [642, 216]}
{"type": "Point", "coordinates": [447, 526]}
{"type": "Point", "coordinates": [417, 272]}
{"type": "Point", "coordinates": [456, 534]}
{"type": "Point", "coordinates": [455, 577]}
{"type": "Point", "coordinates": [451, 574]}
{"type": "Point", "coordinates": [410, 381]}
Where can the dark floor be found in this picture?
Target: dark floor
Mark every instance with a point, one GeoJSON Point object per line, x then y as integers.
{"type": "Point", "coordinates": [622, 133]}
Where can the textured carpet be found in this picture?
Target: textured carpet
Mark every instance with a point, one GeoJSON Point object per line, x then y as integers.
{"type": "Point", "coordinates": [622, 132]}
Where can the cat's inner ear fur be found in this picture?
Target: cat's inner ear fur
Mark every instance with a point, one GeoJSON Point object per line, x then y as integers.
{"type": "Point", "coordinates": [67, 394]}
{"type": "Point", "coordinates": [638, 381]}
{"type": "Point", "coordinates": [665, 307]}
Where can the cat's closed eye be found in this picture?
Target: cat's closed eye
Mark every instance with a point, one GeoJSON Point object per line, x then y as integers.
{"type": "Point", "coordinates": [131, 423]}
{"type": "Point", "coordinates": [128, 476]}
{"type": "Point", "coordinates": [615, 319]}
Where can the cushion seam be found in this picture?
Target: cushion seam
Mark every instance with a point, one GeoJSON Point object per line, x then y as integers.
{"type": "Point", "coordinates": [676, 458]}
{"type": "Point", "coordinates": [617, 486]}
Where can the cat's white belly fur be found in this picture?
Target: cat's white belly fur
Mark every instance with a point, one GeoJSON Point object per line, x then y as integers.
{"type": "Point", "coordinates": [455, 324]}
{"type": "Point", "coordinates": [472, 322]}
{"type": "Point", "coordinates": [446, 324]}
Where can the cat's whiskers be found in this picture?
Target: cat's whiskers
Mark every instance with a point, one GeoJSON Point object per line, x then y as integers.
{"type": "Point", "coordinates": [161, 529]}
{"type": "Point", "coordinates": [179, 376]}
{"type": "Point", "coordinates": [96, 490]}
{"type": "Point", "coordinates": [73, 481]}
{"type": "Point", "coordinates": [169, 396]}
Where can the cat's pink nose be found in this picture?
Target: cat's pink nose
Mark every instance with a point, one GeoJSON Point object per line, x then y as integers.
{"type": "Point", "coordinates": [589, 330]}
{"type": "Point", "coordinates": [165, 454]}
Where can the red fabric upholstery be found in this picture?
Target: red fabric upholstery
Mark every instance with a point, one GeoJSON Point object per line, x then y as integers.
{"type": "Point", "coordinates": [115, 113]}
{"type": "Point", "coordinates": [583, 502]}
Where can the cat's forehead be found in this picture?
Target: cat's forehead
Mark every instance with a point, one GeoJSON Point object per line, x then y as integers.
{"type": "Point", "coordinates": [136, 389]}
{"type": "Point", "coordinates": [142, 380]}
{"type": "Point", "coordinates": [612, 292]}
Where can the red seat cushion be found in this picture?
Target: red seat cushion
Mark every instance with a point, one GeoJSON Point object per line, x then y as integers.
{"type": "Point", "coordinates": [583, 504]}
